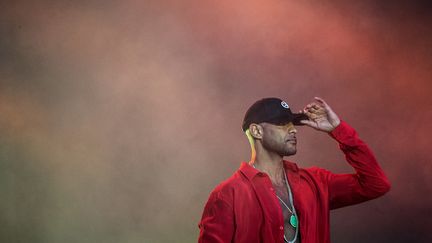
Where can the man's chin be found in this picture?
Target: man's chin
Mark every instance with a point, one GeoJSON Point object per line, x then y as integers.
{"type": "Point", "coordinates": [290, 153]}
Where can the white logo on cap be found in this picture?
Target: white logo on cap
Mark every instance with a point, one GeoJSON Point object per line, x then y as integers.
{"type": "Point", "coordinates": [285, 105]}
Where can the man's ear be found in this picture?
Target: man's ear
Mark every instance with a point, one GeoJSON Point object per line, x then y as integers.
{"type": "Point", "coordinates": [256, 130]}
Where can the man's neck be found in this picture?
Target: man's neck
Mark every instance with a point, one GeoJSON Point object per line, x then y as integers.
{"type": "Point", "coordinates": [271, 164]}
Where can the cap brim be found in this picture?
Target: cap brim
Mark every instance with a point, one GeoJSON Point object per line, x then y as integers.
{"type": "Point", "coordinates": [298, 117]}
{"type": "Point", "coordinates": [295, 118]}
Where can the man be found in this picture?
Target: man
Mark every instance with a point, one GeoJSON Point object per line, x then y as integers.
{"type": "Point", "coordinates": [272, 200]}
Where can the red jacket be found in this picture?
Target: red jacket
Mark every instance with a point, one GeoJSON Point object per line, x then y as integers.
{"type": "Point", "coordinates": [244, 208]}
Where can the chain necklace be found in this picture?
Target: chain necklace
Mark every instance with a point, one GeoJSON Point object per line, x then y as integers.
{"type": "Point", "coordinates": [293, 218]}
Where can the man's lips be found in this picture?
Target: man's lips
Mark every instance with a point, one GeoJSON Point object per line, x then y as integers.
{"type": "Point", "coordinates": [292, 140]}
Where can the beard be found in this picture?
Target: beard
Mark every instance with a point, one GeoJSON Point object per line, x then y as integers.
{"type": "Point", "coordinates": [281, 148]}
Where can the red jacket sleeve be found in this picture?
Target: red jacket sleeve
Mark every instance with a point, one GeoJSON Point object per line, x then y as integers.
{"type": "Point", "coordinates": [367, 183]}
{"type": "Point", "coordinates": [217, 222]}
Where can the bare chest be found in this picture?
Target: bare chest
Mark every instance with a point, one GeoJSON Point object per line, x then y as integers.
{"type": "Point", "coordinates": [287, 209]}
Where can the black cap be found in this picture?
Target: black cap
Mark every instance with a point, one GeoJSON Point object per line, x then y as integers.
{"type": "Point", "coordinates": [271, 110]}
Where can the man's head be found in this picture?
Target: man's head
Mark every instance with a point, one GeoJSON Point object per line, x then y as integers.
{"type": "Point", "coordinates": [271, 122]}
{"type": "Point", "coordinates": [278, 139]}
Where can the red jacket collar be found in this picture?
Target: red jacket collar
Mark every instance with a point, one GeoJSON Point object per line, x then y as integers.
{"type": "Point", "coordinates": [250, 172]}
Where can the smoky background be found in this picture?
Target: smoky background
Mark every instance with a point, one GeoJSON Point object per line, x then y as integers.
{"type": "Point", "coordinates": [117, 118]}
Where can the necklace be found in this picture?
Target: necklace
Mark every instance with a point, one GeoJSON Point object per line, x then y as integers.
{"type": "Point", "coordinates": [293, 218]}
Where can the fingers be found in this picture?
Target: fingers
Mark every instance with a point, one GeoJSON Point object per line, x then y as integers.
{"type": "Point", "coordinates": [321, 101]}
{"type": "Point", "coordinates": [317, 108]}
{"type": "Point", "coordinates": [309, 123]}
{"type": "Point", "coordinates": [314, 108]}
{"type": "Point", "coordinates": [312, 114]}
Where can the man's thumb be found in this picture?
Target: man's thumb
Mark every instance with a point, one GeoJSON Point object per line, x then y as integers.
{"type": "Point", "coordinates": [307, 122]}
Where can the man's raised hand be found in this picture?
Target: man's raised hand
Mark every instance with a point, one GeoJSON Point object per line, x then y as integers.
{"type": "Point", "coordinates": [321, 116]}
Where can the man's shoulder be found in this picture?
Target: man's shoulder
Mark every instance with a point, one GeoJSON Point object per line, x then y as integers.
{"type": "Point", "coordinates": [235, 184]}
{"type": "Point", "coordinates": [313, 170]}
{"type": "Point", "coordinates": [316, 172]}
{"type": "Point", "coordinates": [232, 182]}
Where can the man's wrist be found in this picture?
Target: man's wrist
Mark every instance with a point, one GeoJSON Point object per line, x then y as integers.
{"type": "Point", "coordinates": [335, 126]}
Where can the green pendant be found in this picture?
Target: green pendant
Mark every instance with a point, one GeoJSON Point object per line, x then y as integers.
{"type": "Point", "coordinates": [293, 221]}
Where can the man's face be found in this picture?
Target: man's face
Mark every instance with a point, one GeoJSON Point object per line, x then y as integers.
{"type": "Point", "coordinates": [280, 139]}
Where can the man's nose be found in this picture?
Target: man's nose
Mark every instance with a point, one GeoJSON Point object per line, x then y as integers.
{"type": "Point", "coordinates": [291, 128]}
